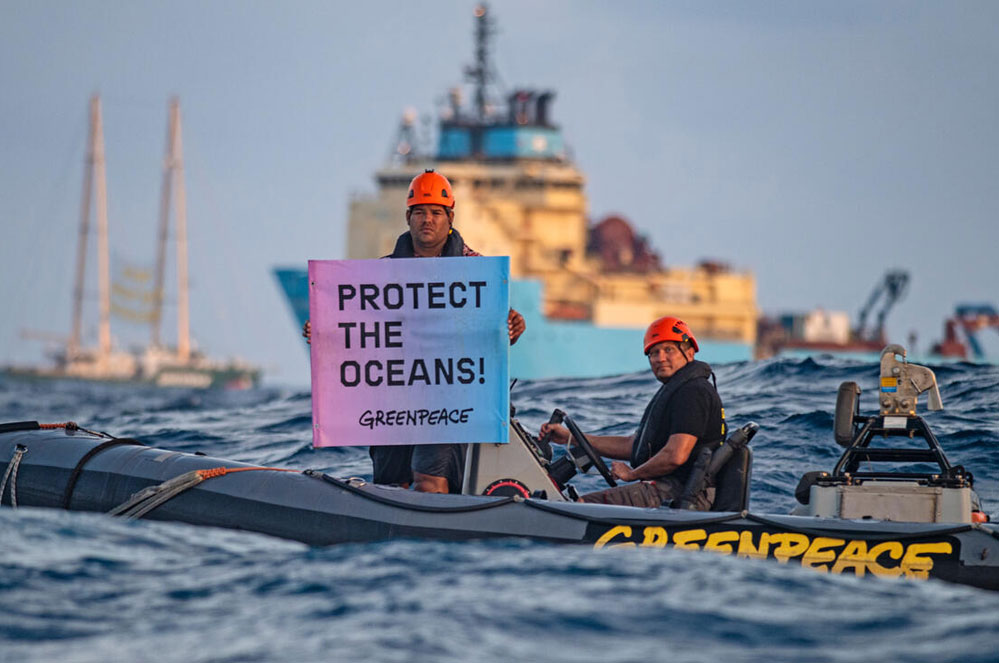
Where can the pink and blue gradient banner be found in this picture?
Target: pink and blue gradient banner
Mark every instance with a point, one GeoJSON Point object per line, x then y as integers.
{"type": "Point", "coordinates": [409, 351]}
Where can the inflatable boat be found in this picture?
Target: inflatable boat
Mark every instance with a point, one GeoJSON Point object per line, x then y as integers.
{"type": "Point", "coordinates": [887, 523]}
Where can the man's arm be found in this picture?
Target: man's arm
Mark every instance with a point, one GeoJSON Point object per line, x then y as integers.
{"type": "Point", "coordinates": [666, 460]}
{"type": "Point", "coordinates": [433, 464]}
{"type": "Point", "coordinates": [428, 483]}
{"type": "Point", "coordinates": [612, 446]}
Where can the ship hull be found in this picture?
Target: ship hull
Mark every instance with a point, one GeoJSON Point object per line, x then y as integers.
{"type": "Point", "coordinates": [549, 348]}
{"type": "Point", "coordinates": [184, 378]}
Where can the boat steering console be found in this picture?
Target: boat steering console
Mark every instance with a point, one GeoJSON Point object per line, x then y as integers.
{"type": "Point", "coordinates": [526, 467]}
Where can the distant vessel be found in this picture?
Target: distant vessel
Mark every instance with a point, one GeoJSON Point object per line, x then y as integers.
{"type": "Point", "coordinates": [587, 292]}
{"type": "Point", "coordinates": [967, 321]}
{"type": "Point", "coordinates": [829, 332]}
{"type": "Point", "coordinates": [157, 364]}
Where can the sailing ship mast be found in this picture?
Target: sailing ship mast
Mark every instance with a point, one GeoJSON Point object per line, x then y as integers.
{"type": "Point", "coordinates": [157, 364]}
{"type": "Point", "coordinates": [173, 192]}
{"type": "Point", "coordinates": [94, 176]}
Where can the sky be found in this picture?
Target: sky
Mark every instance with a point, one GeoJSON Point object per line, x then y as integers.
{"type": "Point", "coordinates": [816, 144]}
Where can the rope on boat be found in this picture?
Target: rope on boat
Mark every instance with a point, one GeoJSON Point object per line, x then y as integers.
{"type": "Point", "coordinates": [866, 534]}
{"type": "Point", "coordinates": [552, 507]}
{"type": "Point", "coordinates": [11, 473]}
{"type": "Point", "coordinates": [345, 485]}
{"type": "Point", "coordinates": [74, 476]}
{"type": "Point", "coordinates": [72, 426]}
{"type": "Point", "coordinates": [149, 498]}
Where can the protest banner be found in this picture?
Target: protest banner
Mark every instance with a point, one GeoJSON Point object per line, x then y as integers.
{"type": "Point", "coordinates": [409, 351]}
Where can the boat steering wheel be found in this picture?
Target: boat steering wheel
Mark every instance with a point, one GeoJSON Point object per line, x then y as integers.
{"type": "Point", "coordinates": [590, 452]}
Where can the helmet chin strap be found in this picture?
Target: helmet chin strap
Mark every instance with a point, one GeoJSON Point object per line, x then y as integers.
{"type": "Point", "coordinates": [686, 359]}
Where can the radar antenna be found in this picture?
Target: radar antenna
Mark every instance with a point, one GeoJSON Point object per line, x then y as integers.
{"type": "Point", "coordinates": [481, 74]}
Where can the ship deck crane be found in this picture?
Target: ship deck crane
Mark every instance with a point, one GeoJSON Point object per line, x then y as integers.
{"type": "Point", "coordinates": [893, 287]}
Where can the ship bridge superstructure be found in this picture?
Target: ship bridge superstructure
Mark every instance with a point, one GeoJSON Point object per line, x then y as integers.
{"type": "Point", "coordinates": [518, 193]}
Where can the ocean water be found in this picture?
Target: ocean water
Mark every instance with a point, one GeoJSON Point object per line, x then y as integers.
{"type": "Point", "coordinates": [86, 587]}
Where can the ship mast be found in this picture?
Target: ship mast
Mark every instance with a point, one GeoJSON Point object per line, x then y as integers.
{"type": "Point", "coordinates": [173, 192]}
{"type": "Point", "coordinates": [94, 170]}
{"type": "Point", "coordinates": [481, 74]}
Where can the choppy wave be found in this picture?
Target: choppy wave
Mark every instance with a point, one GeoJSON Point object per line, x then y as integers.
{"type": "Point", "coordinates": [83, 587]}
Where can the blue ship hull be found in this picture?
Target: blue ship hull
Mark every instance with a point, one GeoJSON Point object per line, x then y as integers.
{"type": "Point", "coordinates": [549, 348]}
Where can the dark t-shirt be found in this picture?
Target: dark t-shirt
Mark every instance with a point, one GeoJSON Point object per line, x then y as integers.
{"type": "Point", "coordinates": [391, 464]}
{"type": "Point", "coordinates": [441, 460]}
{"type": "Point", "coordinates": [695, 409]}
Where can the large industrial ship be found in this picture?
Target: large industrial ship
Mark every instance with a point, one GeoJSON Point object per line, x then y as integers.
{"type": "Point", "coordinates": [587, 291]}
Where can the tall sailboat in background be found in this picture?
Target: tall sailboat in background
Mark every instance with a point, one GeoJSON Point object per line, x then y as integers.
{"type": "Point", "coordinates": [157, 364]}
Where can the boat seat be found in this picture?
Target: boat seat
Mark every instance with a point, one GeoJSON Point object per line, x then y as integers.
{"type": "Point", "coordinates": [732, 482]}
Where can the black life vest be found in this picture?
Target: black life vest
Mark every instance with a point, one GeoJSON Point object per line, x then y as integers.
{"type": "Point", "coordinates": [454, 246]}
{"type": "Point", "coordinates": [650, 439]}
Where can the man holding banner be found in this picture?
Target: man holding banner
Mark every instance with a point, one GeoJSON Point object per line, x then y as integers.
{"type": "Point", "coordinates": [429, 467]}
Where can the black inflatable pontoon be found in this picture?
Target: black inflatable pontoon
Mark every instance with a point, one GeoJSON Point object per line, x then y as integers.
{"type": "Point", "coordinates": [895, 522]}
{"type": "Point", "coordinates": [70, 468]}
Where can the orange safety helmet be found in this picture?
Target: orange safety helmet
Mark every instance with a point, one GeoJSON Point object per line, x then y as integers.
{"type": "Point", "coordinates": [669, 329]}
{"type": "Point", "coordinates": [430, 188]}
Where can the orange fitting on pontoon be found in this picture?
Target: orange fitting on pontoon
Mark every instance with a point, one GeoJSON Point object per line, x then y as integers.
{"type": "Point", "coordinates": [69, 424]}
{"type": "Point", "coordinates": [219, 471]}
{"type": "Point", "coordinates": [213, 472]}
